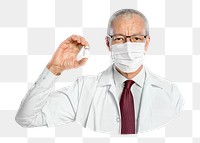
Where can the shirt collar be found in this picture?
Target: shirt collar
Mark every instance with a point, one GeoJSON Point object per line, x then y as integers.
{"type": "Point", "coordinates": [119, 78]}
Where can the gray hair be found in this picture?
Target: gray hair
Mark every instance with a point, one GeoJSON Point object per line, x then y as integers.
{"type": "Point", "coordinates": [126, 13]}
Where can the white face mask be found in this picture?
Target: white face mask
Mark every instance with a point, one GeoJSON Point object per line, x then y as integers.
{"type": "Point", "coordinates": [128, 57]}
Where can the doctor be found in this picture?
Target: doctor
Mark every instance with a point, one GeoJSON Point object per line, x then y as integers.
{"type": "Point", "coordinates": [126, 98]}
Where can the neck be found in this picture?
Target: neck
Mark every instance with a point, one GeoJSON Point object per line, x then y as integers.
{"type": "Point", "coordinates": [131, 74]}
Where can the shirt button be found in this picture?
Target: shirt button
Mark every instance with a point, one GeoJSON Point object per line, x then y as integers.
{"type": "Point", "coordinates": [117, 119]}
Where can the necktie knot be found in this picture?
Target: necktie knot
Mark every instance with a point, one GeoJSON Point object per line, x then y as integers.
{"type": "Point", "coordinates": [128, 84]}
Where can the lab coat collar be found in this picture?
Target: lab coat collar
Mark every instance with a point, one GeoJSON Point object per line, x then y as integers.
{"type": "Point", "coordinates": [107, 77]}
{"type": "Point", "coordinates": [155, 80]}
{"type": "Point", "coordinates": [120, 79]}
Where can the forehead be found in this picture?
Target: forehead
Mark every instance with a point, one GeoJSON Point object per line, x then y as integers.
{"type": "Point", "coordinates": [128, 25]}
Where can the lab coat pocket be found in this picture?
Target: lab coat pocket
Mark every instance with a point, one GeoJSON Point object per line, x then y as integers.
{"type": "Point", "coordinates": [161, 117]}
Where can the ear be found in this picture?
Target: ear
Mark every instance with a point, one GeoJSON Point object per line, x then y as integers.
{"type": "Point", "coordinates": [147, 43]}
{"type": "Point", "coordinates": [107, 42]}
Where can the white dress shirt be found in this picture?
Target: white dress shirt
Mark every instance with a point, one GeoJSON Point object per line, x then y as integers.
{"type": "Point", "coordinates": [136, 88]}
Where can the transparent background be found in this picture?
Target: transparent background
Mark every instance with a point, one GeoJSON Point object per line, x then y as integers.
{"type": "Point", "coordinates": [31, 30]}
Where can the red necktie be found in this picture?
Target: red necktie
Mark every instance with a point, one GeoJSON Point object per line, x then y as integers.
{"type": "Point", "coordinates": [127, 109]}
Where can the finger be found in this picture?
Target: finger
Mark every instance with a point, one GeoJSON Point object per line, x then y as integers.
{"type": "Point", "coordinates": [72, 38]}
{"type": "Point", "coordinates": [69, 39]}
{"type": "Point", "coordinates": [82, 61]}
{"type": "Point", "coordinates": [78, 39]}
{"type": "Point", "coordinates": [84, 42]}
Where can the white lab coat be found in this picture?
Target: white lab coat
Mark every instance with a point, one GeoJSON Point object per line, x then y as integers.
{"type": "Point", "coordinates": [98, 108]}
{"type": "Point", "coordinates": [91, 101]}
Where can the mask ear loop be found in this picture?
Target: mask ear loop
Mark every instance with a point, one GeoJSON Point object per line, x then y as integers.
{"type": "Point", "coordinates": [145, 46]}
{"type": "Point", "coordinates": [110, 45]}
{"type": "Point", "coordinates": [110, 41]}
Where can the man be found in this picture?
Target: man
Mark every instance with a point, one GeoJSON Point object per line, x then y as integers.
{"type": "Point", "coordinates": [126, 98]}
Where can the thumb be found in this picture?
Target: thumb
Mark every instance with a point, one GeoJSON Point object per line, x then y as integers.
{"type": "Point", "coordinates": [82, 61]}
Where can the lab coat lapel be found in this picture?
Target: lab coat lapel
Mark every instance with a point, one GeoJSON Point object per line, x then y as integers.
{"type": "Point", "coordinates": [150, 87]}
{"type": "Point", "coordinates": [107, 79]}
{"type": "Point", "coordinates": [112, 90]}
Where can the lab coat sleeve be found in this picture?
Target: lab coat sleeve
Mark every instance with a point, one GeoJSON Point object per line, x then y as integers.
{"type": "Point", "coordinates": [42, 106]}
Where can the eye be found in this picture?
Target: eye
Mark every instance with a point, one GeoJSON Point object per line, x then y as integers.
{"type": "Point", "coordinates": [138, 38]}
{"type": "Point", "coordinates": [118, 39]}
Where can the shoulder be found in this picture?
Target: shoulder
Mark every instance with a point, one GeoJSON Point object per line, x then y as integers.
{"type": "Point", "coordinates": [160, 82]}
{"type": "Point", "coordinates": [168, 88]}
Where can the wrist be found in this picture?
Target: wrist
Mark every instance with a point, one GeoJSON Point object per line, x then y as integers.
{"type": "Point", "coordinates": [54, 69]}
